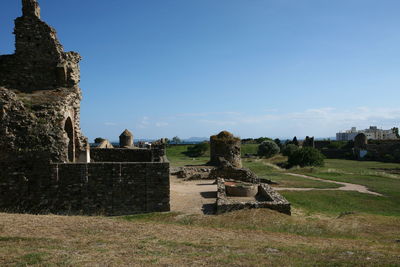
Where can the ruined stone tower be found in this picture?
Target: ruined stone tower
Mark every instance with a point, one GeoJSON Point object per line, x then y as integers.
{"type": "Point", "coordinates": [126, 139]}
{"type": "Point", "coordinates": [225, 146]}
{"type": "Point", "coordinates": [39, 62]}
{"type": "Point", "coordinates": [30, 8]}
{"type": "Point", "coordinates": [39, 93]}
{"type": "Point", "coordinates": [45, 164]}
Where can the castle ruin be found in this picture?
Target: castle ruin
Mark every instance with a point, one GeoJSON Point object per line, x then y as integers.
{"type": "Point", "coordinates": [46, 164]}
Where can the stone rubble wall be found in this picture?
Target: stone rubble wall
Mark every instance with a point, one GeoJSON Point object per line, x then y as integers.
{"type": "Point", "coordinates": [34, 123]}
{"type": "Point", "coordinates": [87, 188]}
{"type": "Point", "coordinates": [232, 173]}
{"type": "Point", "coordinates": [192, 173]}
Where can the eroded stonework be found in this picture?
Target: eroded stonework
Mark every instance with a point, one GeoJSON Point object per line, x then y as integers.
{"type": "Point", "coordinates": [227, 147]}
{"type": "Point", "coordinates": [45, 161]}
{"type": "Point", "coordinates": [39, 94]}
{"type": "Point", "coordinates": [39, 62]}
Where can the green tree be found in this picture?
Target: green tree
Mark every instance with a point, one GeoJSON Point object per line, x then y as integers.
{"type": "Point", "coordinates": [176, 140]}
{"type": "Point", "coordinates": [262, 139]}
{"type": "Point", "coordinates": [306, 156]}
{"type": "Point", "coordinates": [279, 143]}
{"type": "Point", "coordinates": [295, 142]}
{"type": "Point", "coordinates": [197, 150]}
{"type": "Point", "coordinates": [268, 149]}
{"type": "Point", "coordinates": [289, 150]}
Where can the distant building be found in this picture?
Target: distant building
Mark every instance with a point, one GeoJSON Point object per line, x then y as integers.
{"type": "Point", "coordinates": [372, 133]}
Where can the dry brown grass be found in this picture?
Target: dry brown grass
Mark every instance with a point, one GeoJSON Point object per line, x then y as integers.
{"type": "Point", "coordinates": [244, 238]}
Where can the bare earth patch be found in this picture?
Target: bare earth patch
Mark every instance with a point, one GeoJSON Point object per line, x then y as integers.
{"type": "Point", "coordinates": [194, 197]}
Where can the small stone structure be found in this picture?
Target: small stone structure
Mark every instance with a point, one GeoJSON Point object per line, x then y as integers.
{"type": "Point", "coordinates": [45, 161]}
{"type": "Point", "coordinates": [103, 143]}
{"type": "Point", "coordinates": [193, 173]}
{"type": "Point", "coordinates": [226, 146]}
{"type": "Point", "coordinates": [240, 189]}
{"type": "Point", "coordinates": [266, 197]}
{"type": "Point", "coordinates": [126, 139]}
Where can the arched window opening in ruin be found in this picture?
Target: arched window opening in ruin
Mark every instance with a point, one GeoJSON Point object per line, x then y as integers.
{"type": "Point", "coordinates": [69, 129]}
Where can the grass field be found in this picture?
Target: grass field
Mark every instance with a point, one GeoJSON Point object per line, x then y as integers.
{"type": "Point", "coordinates": [243, 238]}
{"type": "Point", "coordinates": [327, 228]}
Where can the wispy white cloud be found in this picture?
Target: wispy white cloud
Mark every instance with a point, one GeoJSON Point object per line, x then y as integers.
{"type": "Point", "coordinates": [162, 124]}
{"type": "Point", "coordinates": [144, 123]}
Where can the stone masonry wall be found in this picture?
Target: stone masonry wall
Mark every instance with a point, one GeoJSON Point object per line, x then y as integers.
{"type": "Point", "coordinates": [155, 154]}
{"type": "Point", "coordinates": [120, 155]}
{"type": "Point", "coordinates": [88, 188]}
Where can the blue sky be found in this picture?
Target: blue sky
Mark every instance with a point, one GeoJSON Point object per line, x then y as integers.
{"type": "Point", "coordinates": [274, 68]}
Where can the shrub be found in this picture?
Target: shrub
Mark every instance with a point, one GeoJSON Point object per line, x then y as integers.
{"type": "Point", "coordinates": [289, 149]}
{"type": "Point", "coordinates": [396, 155]}
{"type": "Point", "coordinates": [295, 142]}
{"type": "Point", "coordinates": [306, 156]}
{"type": "Point", "coordinates": [262, 139]}
{"type": "Point", "coordinates": [388, 158]}
{"type": "Point", "coordinates": [197, 150]}
{"type": "Point", "coordinates": [268, 149]}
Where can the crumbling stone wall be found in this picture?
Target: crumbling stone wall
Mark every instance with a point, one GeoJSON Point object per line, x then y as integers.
{"type": "Point", "coordinates": [39, 94]}
{"type": "Point", "coordinates": [39, 62]}
{"type": "Point", "coordinates": [309, 142]}
{"type": "Point", "coordinates": [225, 146]}
{"type": "Point", "coordinates": [35, 123]}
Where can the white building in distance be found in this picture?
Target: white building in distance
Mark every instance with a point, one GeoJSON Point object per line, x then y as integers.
{"type": "Point", "coordinates": [372, 133]}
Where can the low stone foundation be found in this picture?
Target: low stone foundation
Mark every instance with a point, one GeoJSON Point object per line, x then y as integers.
{"type": "Point", "coordinates": [266, 197]}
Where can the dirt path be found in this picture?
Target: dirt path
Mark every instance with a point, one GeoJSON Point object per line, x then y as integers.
{"type": "Point", "coordinates": [345, 186]}
{"type": "Point", "coordinates": [193, 196]}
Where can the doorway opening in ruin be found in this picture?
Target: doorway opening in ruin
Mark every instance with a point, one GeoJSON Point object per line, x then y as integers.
{"type": "Point", "coordinates": [69, 128]}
